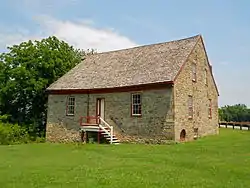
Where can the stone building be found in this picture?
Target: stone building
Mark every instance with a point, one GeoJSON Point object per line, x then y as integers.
{"type": "Point", "coordinates": [152, 93]}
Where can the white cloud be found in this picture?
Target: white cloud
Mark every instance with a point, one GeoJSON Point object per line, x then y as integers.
{"type": "Point", "coordinates": [9, 39]}
{"type": "Point", "coordinates": [84, 35]}
{"type": "Point", "coordinates": [81, 34]}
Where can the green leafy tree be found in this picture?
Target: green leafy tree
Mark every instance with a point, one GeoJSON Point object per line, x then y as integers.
{"type": "Point", "coordinates": [26, 70]}
{"type": "Point", "coordinates": [236, 113]}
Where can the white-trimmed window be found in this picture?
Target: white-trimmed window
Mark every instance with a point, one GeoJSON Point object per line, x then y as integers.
{"type": "Point", "coordinates": [136, 104]}
{"type": "Point", "coordinates": [70, 108]}
{"type": "Point", "coordinates": [190, 107]}
{"type": "Point", "coordinates": [205, 76]}
{"type": "Point", "coordinates": [194, 72]}
{"type": "Point", "coordinates": [209, 108]}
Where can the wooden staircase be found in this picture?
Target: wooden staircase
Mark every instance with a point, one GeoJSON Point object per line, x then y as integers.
{"type": "Point", "coordinates": [100, 126]}
{"type": "Point", "coordinates": [111, 139]}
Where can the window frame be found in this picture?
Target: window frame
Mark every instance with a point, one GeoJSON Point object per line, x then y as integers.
{"type": "Point", "coordinates": [190, 107]}
{"type": "Point", "coordinates": [194, 72]}
{"type": "Point", "coordinates": [71, 101]}
{"type": "Point", "coordinates": [205, 77]}
{"type": "Point", "coordinates": [210, 108]}
{"type": "Point", "coordinates": [139, 105]}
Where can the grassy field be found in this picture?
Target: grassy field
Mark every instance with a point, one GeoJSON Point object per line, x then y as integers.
{"type": "Point", "coordinates": [215, 161]}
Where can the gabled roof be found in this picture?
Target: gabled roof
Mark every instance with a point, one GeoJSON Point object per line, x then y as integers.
{"type": "Point", "coordinates": [147, 64]}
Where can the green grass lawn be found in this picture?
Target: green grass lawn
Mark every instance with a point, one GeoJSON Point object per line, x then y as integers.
{"type": "Point", "coordinates": [216, 161]}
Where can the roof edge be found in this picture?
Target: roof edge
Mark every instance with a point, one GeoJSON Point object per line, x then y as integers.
{"type": "Point", "coordinates": [145, 45]}
{"type": "Point", "coordinates": [210, 67]}
{"type": "Point", "coordinates": [184, 63]}
{"type": "Point", "coordinates": [150, 86]}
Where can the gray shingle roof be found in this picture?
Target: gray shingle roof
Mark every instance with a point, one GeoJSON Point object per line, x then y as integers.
{"type": "Point", "coordinates": [134, 66]}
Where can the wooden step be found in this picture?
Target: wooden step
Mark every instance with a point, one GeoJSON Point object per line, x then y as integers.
{"type": "Point", "coordinates": [108, 138]}
{"type": "Point", "coordinates": [116, 142]}
{"type": "Point", "coordinates": [104, 132]}
{"type": "Point", "coordinates": [93, 128]}
{"type": "Point", "coordinates": [114, 138]}
{"type": "Point", "coordinates": [108, 135]}
{"type": "Point", "coordinates": [89, 124]}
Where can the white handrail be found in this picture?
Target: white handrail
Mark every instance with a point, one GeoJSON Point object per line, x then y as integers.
{"type": "Point", "coordinates": [111, 133]}
{"type": "Point", "coordinates": [103, 129]}
{"type": "Point", "coordinates": [102, 120]}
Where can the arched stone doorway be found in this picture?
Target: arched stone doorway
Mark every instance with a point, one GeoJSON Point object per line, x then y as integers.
{"type": "Point", "coordinates": [183, 135]}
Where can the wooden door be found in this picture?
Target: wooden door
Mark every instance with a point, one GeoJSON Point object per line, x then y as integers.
{"type": "Point", "coordinates": [100, 107]}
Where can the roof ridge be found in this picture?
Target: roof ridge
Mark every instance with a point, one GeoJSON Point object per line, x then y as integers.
{"type": "Point", "coordinates": [147, 45]}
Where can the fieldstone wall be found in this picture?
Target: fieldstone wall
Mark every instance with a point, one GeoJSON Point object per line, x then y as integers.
{"type": "Point", "coordinates": [59, 133]}
{"type": "Point", "coordinates": [155, 123]}
{"type": "Point", "coordinates": [60, 127]}
{"type": "Point", "coordinates": [201, 93]}
{"type": "Point", "coordinates": [144, 140]}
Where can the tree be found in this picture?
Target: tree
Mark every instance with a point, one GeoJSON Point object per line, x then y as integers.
{"type": "Point", "coordinates": [237, 113]}
{"type": "Point", "coordinates": [26, 71]}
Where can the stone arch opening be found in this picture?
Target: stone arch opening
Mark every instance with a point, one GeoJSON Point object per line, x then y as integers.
{"type": "Point", "coordinates": [183, 135]}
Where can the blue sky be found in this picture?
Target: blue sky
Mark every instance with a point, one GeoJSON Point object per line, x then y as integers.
{"type": "Point", "coordinates": [112, 24]}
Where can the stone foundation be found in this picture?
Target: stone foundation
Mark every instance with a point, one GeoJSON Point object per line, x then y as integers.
{"type": "Point", "coordinates": [125, 138]}
{"type": "Point", "coordinates": [137, 140]}
{"type": "Point", "coordinates": [60, 134]}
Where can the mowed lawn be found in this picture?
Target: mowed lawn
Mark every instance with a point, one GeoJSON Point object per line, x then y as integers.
{"type": "Point", "coordinates": [215, 161]}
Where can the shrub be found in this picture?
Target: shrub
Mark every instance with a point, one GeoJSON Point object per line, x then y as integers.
{"type": "Point", "coordinates": [13, 134]}
{"type": "Point", "coordinates": [4, 118]}
{"type": "Point", "coordinates": [39, 140]}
